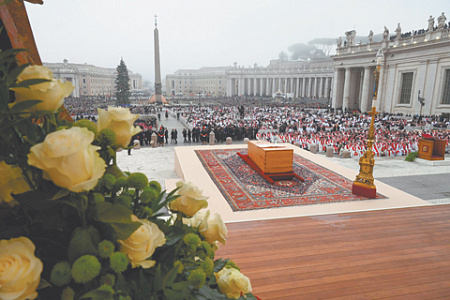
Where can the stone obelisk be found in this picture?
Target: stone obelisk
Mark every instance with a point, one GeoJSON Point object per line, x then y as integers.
{"type": "Point", "coordinates": [157, 65]}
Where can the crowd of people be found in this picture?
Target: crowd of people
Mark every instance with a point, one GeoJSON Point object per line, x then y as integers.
{"type": "Point", "coordinates": [394, 134]}
{"type": "Point", "coordinates": [295, 124]}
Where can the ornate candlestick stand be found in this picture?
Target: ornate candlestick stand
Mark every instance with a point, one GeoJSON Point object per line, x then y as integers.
{"type": "Point", "coordinates": [363, 184]}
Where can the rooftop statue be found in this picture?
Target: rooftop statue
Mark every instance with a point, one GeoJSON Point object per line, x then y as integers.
{"type": "Point", "coordinates": [370, 36]}
{"type": "Point", "coordinates": [339, 42]}
{"type": "Point", "coordinates": [386, 34]}
{"type": "Point", "coordinates": [430, 23]}
{"type": "Point", "coordinates": [398, 31]}
{"type": "Point", "coordinates": [441, 21]}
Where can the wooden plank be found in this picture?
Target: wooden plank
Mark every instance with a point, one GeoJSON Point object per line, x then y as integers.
{"type": "Point", "coordinates": [388, 254]}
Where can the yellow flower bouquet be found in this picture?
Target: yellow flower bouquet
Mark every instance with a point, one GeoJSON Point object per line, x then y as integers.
{"type": "Point", "coordinates": [74, 226]}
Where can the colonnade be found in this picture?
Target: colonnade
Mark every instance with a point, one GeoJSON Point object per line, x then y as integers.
{"type": "Point", "coordinates": [353, 88]}
{"type": "Point", "coordinates": [316, 86]}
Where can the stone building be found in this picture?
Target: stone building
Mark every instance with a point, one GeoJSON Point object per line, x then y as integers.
{"type": "Point", "coordinates": [91, 81]}
{"type": "Point", "coordinates": [415, 66]}
{"type": "Point", "coordinates": [294, 79]}
{"type": "Point", "coordinates": [207, 81]}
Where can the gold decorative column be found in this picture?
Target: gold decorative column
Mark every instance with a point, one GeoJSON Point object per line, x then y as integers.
{"type": "Point", "coordinates": [363, 184]}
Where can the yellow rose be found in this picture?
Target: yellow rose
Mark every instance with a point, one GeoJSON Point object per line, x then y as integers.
{"type": "Point", "coordinates": [12, 181]}
{"type": "Point", "coordinates": [190, 201]}
{"type": "Point", "coordinates": [120, 120]}
{"type": "Point", "coordinates": [51, 93]}
{"type": "Point", "coordinates": [20, 269]}
{"type": "Point", "coordinates": [212, 228]}
{"type": "Point", "coordinates": [233, 283]}
{"type": "Point", "coordinates": [68, 159]}
{"type": "Point", "coordinates": [197, 219]}
{"type": "Point", "coordinates": [142, 244]}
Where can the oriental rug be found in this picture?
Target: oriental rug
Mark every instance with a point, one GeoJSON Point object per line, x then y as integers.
{"type": "Point", "coordinates": [244, 189]}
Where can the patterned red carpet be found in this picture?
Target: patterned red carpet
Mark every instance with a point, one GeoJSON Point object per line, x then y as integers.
{"type": "Point", "coordinates": [245, 189]}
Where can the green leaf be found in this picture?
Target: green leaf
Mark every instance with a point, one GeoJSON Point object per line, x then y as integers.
{"type": "Point", "coordinates": [248, 296]}
{"type": "Point", "coordinates": [174, 295]}
{"type": "Point", "coordinates": [13, 74]}
{"type": "Point", "coordinates": [35, 200]}
{"type": "Point", "coordinates": [170, 277]}
{"type": "Point", "coordinates": [206, 292]}
{"type": "Point", "coordinates": [219, 264]}
{"type": "Point", "coordinates": [157, 283]}
{"type": "Point", "coordinates": [178, 286]}
{"type": "Point", "coordinates": [104, 292]}
{"type": "Point", "coordinates": [60, 194]}
{"type": "Point", "coordinates": [27, 83]}
{"type": "Point", "coordinates": [11, 52]}
{"type": "Point", "coordinates": [143, 288]}
{"type": "Point", "coordinates": [118, 217]}
{"type": "Point", "coordinates": [24, 105]}
{"type": "Point", "coordinates": [84, 241]}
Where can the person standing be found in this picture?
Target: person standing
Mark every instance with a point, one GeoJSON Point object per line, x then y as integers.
{"type": "Point", "coordinates": [184, 132]}
{"type": "Point", "coordinates": [166, 135]}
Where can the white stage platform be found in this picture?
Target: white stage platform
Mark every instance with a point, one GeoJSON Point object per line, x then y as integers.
{"type": "Point", "coordinates": [189, 168]}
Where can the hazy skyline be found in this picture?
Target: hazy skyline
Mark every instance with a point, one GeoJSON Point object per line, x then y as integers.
{"type": "Point", "coordinates": [205, 33]}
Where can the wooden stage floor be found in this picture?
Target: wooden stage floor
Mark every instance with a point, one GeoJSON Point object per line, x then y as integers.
{"type": "Point", "coordinates": [385, 254]}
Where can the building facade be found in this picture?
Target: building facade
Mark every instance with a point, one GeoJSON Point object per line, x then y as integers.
{"type": "Point", "coordinates": [91, 81]}
{"type": "Point", "coordinates": [414, 76]}
{"type": "Point", "coordinates": [294, 79]}
{"type": "Point", "coordinates": [204, 81]}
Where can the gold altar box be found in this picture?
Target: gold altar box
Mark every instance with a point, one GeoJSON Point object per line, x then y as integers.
{"type": "Point", "coordinates": [271, 158]}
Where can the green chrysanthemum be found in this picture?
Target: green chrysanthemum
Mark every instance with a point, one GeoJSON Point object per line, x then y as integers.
{"type": "Point", "coordinates": [124, 200]}
{"type": "Point", "coordinates": [121, 182]}
{"type": "Point", "coordinates": [68, 294]}
{"type": "Point", "coordinates": [138, 181]}
{"type": "Point", "coordinates": [207, 247]}
{"type": "Point", "coordinates": [108, 181]}
{"type": "Point", "coordinates": [148, 211]}
{"type": "Point", "coordinates": [108, 279]}
{"type": "Point", "coordinates": [155, 185]}
{"type": "Point", "coordinates": [85, 268]}
{"type": "Point", "coordinates": [230, 264]}
{"type": "Point", "coordinates": [60, 274]}
{"type": "Point", "coordinates": [191, 239]}
{"type": "Point", "coordinates": [105, 249]}
{"type": "Point", "coordinates": [91, 126]}
{"type": "Point", "coordinates": [107, 137]}
{"type": "Point", "coordinates": [208, 266]}
{"type": "Point", "coordinates": [98, 197]}
{"type": "Point", "coordinates": [197, 278]}
{"type": "Point", "coordinates": [118, 262]}
{"type": "Point", "coordinates": [149, 194]}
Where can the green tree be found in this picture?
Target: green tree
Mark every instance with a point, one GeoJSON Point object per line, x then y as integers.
{"type": "Point", "coordinates": [122, 84]}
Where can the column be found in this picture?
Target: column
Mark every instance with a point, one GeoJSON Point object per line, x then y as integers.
{"type": "Point", "coordinates": [273, 86]}
{"type": "Point", "coordinates": [321, 87]}
{"type": "Point", "coordinates": [326, 94]}
{"type": "Point", "coordinates": [240, 87]}
{"type": "Point", "coordinates": [347, 84]}
{"type": "Point", "coordinates": [292, 90]}
{"type": "Point", "coordinates": [304, 87]}
{"type": "Point", "coordinates": [297, 88]}
{"type": "Point", "coordinates": [267, 86]}
{"type": "Point", "coordinates": [365, 91]}
{"type": "Point", "coordinates": [336, 98]}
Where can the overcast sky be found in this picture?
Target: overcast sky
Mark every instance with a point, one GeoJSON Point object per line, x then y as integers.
{"type": "Point", "coordinates": [198, 33]}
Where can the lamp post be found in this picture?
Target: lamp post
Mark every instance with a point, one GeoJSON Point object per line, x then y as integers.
{"type": "Point", "coordinates": [364, 182]}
